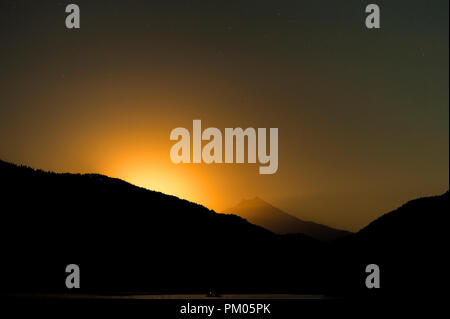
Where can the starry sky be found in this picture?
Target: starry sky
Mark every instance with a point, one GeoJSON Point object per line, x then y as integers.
{"type": "Point", "coordinates": [363, 115]}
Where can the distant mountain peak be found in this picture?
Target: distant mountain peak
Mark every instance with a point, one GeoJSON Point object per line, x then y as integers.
{"type": "Point", "coordinates": [262, 213]}
{"type": "Point", "coordinates": [253, 201]}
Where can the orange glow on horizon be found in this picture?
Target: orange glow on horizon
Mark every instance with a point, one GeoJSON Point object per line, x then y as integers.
{"type": "Point", "coordinates": [161, 178]}
{"type": "Point", "coordinates": [121, 129]}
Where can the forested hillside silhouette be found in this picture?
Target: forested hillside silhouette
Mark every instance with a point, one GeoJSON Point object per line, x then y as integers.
{"type": "Point", "coordinates": [129, 239]}
{"type": "Point", "coordinates": [126, 238]}
{"type": "Point", "coordinates": [408, 246]}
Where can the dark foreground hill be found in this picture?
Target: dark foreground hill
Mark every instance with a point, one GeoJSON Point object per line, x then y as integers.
{"type": "Point", "coordinates": [274, 219]}
{"type": "Point", "coordinates": [126, 238]}
{"type": "Point", "coordinates": [129, 239]}
{"type": "Point", "coordinates": [408, 244]}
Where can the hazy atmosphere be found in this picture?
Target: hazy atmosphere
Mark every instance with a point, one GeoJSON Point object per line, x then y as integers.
{"type": "Point", "coordinates": [363, 116]}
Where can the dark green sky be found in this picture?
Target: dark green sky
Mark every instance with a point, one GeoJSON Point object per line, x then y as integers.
{"type": "Point", "coordinates": [362, 114]}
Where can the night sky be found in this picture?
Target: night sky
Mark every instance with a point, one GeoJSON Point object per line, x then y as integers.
{"type": "Point", "coordinates": [363, 115]}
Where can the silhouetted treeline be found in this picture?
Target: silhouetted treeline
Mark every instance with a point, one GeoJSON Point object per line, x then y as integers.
{"type": "Point", "coordinates": [129, 239]}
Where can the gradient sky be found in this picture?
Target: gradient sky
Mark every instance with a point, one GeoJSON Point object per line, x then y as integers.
{"type": "Point", "coordinates": [363, 115]}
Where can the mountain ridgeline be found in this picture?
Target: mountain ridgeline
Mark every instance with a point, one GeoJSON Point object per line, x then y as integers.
{"type": "Point", "coordinates": [130, 239]}
{"type": "Point", "coordinates": [127, 238]}
{"type": "Point", "coordinates": [265, 215]}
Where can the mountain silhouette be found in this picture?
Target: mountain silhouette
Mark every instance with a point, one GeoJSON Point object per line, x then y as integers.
{"type": "Point", "coordinates": [406, 243]}
{"type": "Point", "coordinates": [129, 239]}
{"type": "Point", "coordinates": [412, 218]}
{"type": "Point", "coordinates": [272, 218]}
